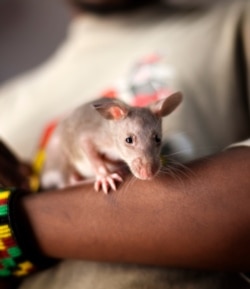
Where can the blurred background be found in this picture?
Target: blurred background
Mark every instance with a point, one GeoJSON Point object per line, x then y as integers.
{"type": "Point", "coordinates": [30, 31]}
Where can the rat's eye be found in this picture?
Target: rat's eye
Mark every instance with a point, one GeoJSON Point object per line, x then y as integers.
{"type": "Point", "coordinates": [129, 140]}
{"type": "Point", "coordinates": [157, 139]}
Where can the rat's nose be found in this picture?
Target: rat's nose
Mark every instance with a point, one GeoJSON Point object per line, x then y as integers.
{"type": "Point", "coordinates": [145, 171]}
{"type": "Point", "coordinates": [145, 174]}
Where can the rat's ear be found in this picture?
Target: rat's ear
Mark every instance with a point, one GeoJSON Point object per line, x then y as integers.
{"type": "Point", "coordinates": [166, 105]}
{"type": "Point", "coordinates": [113, 109]}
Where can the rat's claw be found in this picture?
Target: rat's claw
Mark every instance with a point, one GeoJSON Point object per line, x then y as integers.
{"type": "Point", "coordinates": [105, 186]}
{"type": "Point", "coordinates": [97, 185]}
{"type": "Point", "coordinates": [107, 182]}
{"type": "Point", "coordinates": [116, 177]}
{"type": "Point", "coordinates": [111, 183]}
{"type": "Point", "coordinates": [101, 183]}
{"type": "Point", "coordinates": [112, 178]}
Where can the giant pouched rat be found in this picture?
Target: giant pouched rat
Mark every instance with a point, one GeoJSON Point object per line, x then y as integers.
{"type": "Point", "coordinates": [93, 138]}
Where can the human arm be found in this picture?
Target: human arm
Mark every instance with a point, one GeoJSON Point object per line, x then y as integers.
{"type": "Point", "coordinates": [13, 172]}
{"type": "Point", "coordinates": [199, 218]}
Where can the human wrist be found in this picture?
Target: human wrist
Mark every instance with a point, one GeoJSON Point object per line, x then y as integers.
{"type": "Point", "coordinates": [19, 255]}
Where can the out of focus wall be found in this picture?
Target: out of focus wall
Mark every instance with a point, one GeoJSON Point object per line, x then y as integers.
{"type": "Point", "coordinates": [30, 31]}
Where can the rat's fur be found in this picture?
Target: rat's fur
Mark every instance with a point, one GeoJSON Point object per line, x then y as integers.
{"type": "Point", "coordinates": [99, 133]}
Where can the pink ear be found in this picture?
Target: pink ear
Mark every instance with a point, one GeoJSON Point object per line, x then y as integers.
{"type": "Point", "coordinates": [116, 112]}
{"type": "Point", "coordinates": [166, 105]}
{"type": "Point", "coordinates": [113, 110]}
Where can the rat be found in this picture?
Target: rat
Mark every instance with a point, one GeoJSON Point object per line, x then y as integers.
{"type": "Point", "coordinates": [95, 137]}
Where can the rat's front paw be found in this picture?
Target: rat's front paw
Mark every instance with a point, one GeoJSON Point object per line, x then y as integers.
{"type": "Point", "coordinates": [107, 182]}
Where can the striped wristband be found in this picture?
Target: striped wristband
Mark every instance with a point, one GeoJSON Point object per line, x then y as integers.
{"type": "Point", "coordinates": [12, 259]}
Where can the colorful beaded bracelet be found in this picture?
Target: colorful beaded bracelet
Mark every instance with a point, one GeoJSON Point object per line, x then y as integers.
{"type": "Point", "coordinates": [12, 259]}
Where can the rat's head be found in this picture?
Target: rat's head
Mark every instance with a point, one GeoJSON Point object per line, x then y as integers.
{"type": "Point", "coordinates": [137, 132]}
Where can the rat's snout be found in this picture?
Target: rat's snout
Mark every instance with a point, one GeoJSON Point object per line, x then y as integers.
{"type": "Point", "coordinates": [143, 169]}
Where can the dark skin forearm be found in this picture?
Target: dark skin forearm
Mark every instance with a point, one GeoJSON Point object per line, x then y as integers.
{"type": "Point", "coordinates": [200, 219]}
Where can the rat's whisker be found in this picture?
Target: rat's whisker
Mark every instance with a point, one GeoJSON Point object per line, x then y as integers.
{"type": "Point", "coordinates": [129, 183]}
{"type": "Point", "coordinates": [184, 169]}
{"type": "Point", "coordinates": [177, 170]}
{"type": "Point", "coordinates": [172, 173]}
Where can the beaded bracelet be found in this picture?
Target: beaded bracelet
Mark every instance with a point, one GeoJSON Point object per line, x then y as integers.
{"type": "Point", "coordinates": [12, 259]}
